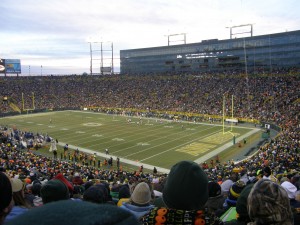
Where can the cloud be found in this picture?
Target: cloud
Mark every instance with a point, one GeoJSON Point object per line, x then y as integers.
{"type": "Point", "coordinates": [40, 31]}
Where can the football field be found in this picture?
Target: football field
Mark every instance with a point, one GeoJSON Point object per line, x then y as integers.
{"type": "Point", "coordinates": [146, 141]}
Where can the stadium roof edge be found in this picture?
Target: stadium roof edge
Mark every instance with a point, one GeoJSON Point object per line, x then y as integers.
{"type": "Point", "coordinates": [210, 41]}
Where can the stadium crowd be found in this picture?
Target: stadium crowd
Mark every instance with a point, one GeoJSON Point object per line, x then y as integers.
{"type": "Point", "coordinates": [263, 189]}
{"type": "Point", "coordinates": [263, 97]}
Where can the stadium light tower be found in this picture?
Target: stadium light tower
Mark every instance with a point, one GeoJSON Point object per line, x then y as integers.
{"type": "Point", "coordinates": [250, 32]}
{"type": "Point", "coordinates": [242, 32]}
{"type": "Point", "coordinates": [103, 57]}
{"type": "Point", "coordinates": [91, 59]}
{"type": "Point", "coordinates": [176, 35]}
{"type": "Point", "coordinates": [246, 73]}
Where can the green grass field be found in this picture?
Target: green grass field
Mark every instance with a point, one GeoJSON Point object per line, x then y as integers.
{"type": "Point", "coordinates": [146, 141]}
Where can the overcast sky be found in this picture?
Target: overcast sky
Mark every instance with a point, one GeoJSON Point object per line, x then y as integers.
{"type": "Point", "coordinates": [55, 34]}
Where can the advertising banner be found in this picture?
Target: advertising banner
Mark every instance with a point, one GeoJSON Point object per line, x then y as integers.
{"type": "Point", "coordinates": [12, 66]}
{"type": "Point", "coordinates": [2, 65]}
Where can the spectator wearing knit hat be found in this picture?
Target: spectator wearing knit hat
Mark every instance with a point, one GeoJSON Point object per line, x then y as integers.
{"type": "Point", "coordinates": [6, 200]}
{"type": "Point", "coordinates": [140, 201]}
{"type": "Point", "coordinates": [94, 194]}
{"type": "Point", "coordinates": [268, 203]}
{"type": "Point", "coordinates": [234, 194]}
{"type": "Point", "coordinates": [241, 204]}
{"type": "Point", "coordinates": [231, 200]}
{"type": "Point", "coordinates": [242, 216]}
{"type": "Point", "coordinates": [20, 203]}
{"type": "Point", "coordinates": [54, 190]}
{"type": "Point", "coordinates": [62, 178]}
{"type": "Point", "coordinates": [185, 194]}
{"type": "Point", "coordinates": [75, 213]}
{"type": "Point", "coordinates": [106, 191]}
{"type": "Point", "coordinates": [215, 198]}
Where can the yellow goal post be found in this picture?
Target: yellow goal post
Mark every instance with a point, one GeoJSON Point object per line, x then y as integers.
{"type": "Point", "coordinates": [32, 100]}
{"type": "Point", "coordinates": [229, 118]}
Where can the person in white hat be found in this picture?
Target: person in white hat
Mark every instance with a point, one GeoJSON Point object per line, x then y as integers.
{"type": "Point", "coordinates": [140, 201]}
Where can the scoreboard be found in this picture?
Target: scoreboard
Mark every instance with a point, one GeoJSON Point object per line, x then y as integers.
{"type": "Point", "coordinates": [10, 66]}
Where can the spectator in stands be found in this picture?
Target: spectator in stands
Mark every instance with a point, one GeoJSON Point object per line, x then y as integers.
{"type": "Point", "coordinates": [185, 194]}
{"type": "Point", "coordinates": [296, 208]}
{"type": "Point", "coordinates": [124, 194]}
{"type": "Point", "coordinates": [94, 194]}
{"type": "Point", "coordinates": [77, 180]}
{"type": "Point", "coordinates": [28, 194]}
{"type": "Point", "coordinates": [114, 192]}
{"type": "Point", "coordinates": [268, 203]}
{"type": "Point", "coordinates": [6, 199]}
{"type": "Point", "coordinates": [296, 181]}
{"type": "Point", "coordinates": [75, 213]}
{"type": "Point", "coordinates": [259, 174]}
{"type": "Point", "coordinates": [226, 185]}
{"type": "Point", "coordinates": [63, 179]}
{"type": "Point", "coordinates": [140, 201]}
{"type": "Point", "coordinates": [241, 216]}
{"type": "Point", "coordinates": [267, 173]}
{"type": "Point", "coordinates": [20, 204]}
{"type": "Point", "coordinates": [36, 191]}
{"type": "Point", "coordinates": [54, 190]}
{"type": "Point", "coordinates": [234, 194]}
{"type": "Point", "coordinates": [231, 200]}
{"type": "Point", "coordinates": [244, 176]}
{"type": "Point", "coordinates": [291, 191]}
{"type": "Point", "coordinates": [215, 198]}
{"type": "Point", "coordinates": [106, 190]}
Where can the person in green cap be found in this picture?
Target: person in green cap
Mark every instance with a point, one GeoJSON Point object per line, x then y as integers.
{"type": "Point", "coordinates": [185, 194]}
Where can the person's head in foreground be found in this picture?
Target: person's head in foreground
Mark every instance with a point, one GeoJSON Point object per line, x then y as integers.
{"type": "Point", "coordinates": [6, 199]}
{"type": "Point", "coordinates": [68, 212]}
{"type": "Point", "coordinates": [268, 203]}
{"type": "Point", "coordinates": [186, 187]}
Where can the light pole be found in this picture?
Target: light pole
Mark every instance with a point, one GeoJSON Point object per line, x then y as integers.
{"type": "Point", "coordinates": [41, 70]}
{"type": "Point", "coordinates": [29, 70]}
{"type": "Point", "coordinates": [102, 57]}
{"type": "Point", "coordinates": [91, 61]}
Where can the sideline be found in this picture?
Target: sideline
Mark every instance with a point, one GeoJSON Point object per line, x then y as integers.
{"type": "Point", "coordinates": [127, 161]}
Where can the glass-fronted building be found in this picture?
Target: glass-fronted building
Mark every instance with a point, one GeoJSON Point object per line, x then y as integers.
{"type": "Point", "coordinates": [264, 52]}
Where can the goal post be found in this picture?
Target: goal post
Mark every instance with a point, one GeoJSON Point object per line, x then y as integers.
{"type": "Point", "coordinates": [32, 100]}
{"type": "Point", "coordinates": [230, 118]}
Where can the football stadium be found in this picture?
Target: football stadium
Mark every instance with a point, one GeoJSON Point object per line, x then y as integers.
{"type": "Point", "coordinates": [201, 133]}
